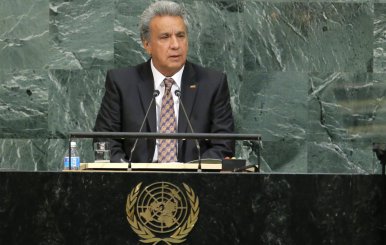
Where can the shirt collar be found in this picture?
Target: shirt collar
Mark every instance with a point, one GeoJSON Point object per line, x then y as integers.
{"type": "Point", "coordinates": [159, 78]}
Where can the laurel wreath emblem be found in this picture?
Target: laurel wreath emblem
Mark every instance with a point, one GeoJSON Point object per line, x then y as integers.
{"type": "Point", "coordinates": [147, 235]}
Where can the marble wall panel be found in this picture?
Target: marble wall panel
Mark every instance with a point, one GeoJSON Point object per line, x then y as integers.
{"type": "Point", "coordinates": [377, 131]}
{"type": "Point", "coordinates": [23, 34]}
{"type": "Point", "coordinates": [340, 37]}
{"type": "Point", "coordinates": [344, 1]}
{"type": "Point", "coordinates": [346, 116]}
{"type": "Point", "coordinates": [74, 100]}
{"type": "Point", "coordinates": [128, 48]}
{"type": "Point", "coordinates": [304, 36]}
{"type": "Point", "coordinates": [347, 107]}
{"type": "Point", "coordinates": [275, 36]}
{"type": "Point", "coordinates": [286, 156]}
{"type": "Point", "coordinates": [81, 34]}
{"type": "Point", "coordinates": [275, 106]}
{"type": "Point", "coordinates": [380, 37]}
{"type": "Point", "coordinates": [23, 154]}
{"type": "Point", "coordinates": [341, 157]}
{"type": "Point", "coordinates": [309, 75]}
{"type": "Point", "coordinates": [23, 103]}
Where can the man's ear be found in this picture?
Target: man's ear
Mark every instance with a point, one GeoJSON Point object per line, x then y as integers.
{"type": "Point", "coordinates": [146, 46]}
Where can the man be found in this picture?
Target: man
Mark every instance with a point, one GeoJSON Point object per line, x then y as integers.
{"type": "Point", "coordinates": [204, 93]}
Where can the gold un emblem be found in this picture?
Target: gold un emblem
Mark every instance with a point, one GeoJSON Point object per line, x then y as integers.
{"type": "Point", "coordinates": [162, 212]}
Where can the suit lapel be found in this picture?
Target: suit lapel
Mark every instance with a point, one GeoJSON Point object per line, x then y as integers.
{"type": "Point", "coordinates": [189, 87]}
{"type": "Point", "coordinates": [145, 89]}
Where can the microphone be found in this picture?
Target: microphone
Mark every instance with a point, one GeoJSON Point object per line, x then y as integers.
{"type": "Point", "coordinates": [155, 94]}
{"type": "Point", "coordinates": [178, 94]}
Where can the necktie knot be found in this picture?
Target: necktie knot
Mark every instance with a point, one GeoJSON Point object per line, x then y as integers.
{"type": "Point", "coordinates": [168, 81]}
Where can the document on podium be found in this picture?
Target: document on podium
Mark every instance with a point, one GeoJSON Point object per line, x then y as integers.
{"type": "Point", "coordinates": [175, 166]}
{"type": "Point", "coordinates": [206, 164]}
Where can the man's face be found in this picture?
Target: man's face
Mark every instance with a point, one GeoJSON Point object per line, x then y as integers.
{"type": "Point", "coordinates": [168, 44]}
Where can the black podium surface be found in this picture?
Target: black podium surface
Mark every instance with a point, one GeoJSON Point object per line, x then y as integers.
{"type": "Point", "coordinates": [234, 208]}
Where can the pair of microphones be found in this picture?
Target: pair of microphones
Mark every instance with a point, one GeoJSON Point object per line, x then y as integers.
{"type": "Point", "coordinates": [178, 94]}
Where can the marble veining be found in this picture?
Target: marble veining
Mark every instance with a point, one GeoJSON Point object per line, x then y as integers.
{"type": "Point", "coordinates": [309, 76]}
{"type": "Point", "coordinates": [24, 34]}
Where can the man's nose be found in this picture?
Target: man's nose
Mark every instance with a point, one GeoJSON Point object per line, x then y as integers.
{"type": "Point", "coordinates": [174, 42]}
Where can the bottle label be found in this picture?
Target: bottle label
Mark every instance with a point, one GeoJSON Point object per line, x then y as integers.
{"type": "Point", "coordinates": [75, 163]}
{"type": "Point", "coordinates": [66, 165]}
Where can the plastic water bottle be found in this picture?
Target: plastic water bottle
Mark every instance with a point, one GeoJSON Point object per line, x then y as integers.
{"type": "Point", "coordinates": [75, 159]}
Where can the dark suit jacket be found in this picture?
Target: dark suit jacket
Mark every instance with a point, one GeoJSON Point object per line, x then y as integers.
{"type": "Point", "coordinates": [204, 93]}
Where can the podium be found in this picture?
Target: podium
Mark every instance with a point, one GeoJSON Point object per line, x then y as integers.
{"type": "Point", "coordinates": [85, 207]}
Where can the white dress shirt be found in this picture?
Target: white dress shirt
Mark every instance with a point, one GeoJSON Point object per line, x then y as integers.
{"type": "Point", "coordinates": [160, 86]}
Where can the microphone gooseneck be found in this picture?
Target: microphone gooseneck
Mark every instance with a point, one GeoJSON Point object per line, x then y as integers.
{"type": "Point", "coordinates": [178, 94]}
{"type": "Point", "coordinates": [155, 94]}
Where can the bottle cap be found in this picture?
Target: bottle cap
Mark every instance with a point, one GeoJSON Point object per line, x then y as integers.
{"type": "Point", "coordinates": [73, 144]}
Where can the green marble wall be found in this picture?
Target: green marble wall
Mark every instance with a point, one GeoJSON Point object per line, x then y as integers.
{"type": "Point", "coordinates": [310, 76]}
